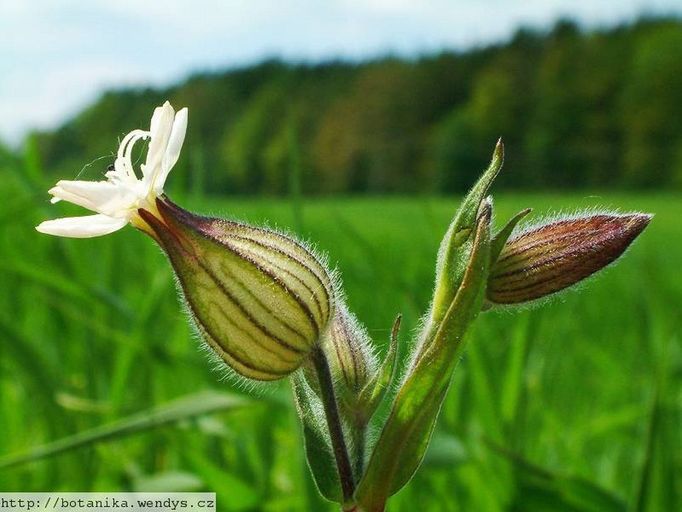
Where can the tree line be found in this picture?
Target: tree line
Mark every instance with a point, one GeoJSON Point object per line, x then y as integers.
{"type": "Point", "coordinates": [576, 109]}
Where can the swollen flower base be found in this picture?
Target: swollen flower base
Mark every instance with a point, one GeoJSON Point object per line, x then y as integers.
{"type": "Point", "coordinates": [269, 307]}
{"type": "Point", "coordinates": [259, 298]}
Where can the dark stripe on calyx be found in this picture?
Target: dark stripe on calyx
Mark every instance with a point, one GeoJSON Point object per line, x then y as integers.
{"type": "Point", "coordinates": [181, 258]}
{"type": "Point", "coordinates": [276, 280]}
{"type": "Point", "coordinates": [352, 349]}
{"type": "Point", "coordinates": [560, 231]}
{"type": "Point", "coordinates": [315, 267]}
{"type": "Point", "coordinates": [249, 315]}
{"type": "Point", "coordinates": [591, 255]}
{"type": "Point", "coordinates": [175, 254]}
{"type": "Point", "coordinates": [203, 227]}
{"type": "Point", "coordinates": [339, 353]}
{"type": "Point", "coordinates": [231, 359]}
{"type": "Point", "coordinates": [233, 277]}
{"type": "Point", "coordinates": [550, 242]}
{"type": "Point", "coordinates": [242, 348]}
{"type": "Point", "coordinates": [563, 280]}
{"type": "Point", "coordinates": [323, 311]}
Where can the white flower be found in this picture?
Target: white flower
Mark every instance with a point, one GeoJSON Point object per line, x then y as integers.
{"type": "Point", "coordinates": [118, 199]}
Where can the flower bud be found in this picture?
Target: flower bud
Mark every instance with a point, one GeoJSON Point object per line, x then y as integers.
{"type": "Point", "coordinates": [349, 351]}
{"type": "Point", "coordinates": [259, 299]}
{"type": "Point", "coordinates": [352, 362]}
{"type": "Point", "coordinates": [554, 256]}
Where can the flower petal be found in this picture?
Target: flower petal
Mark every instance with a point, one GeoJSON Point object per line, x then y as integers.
{"type": "Point", "coordinates": [82, 227]}
{"type": "Point", "coordinates": [160, 129]}
{"type": "Point", "coordinates": [99, 196]}
{"type": "Point", "coordinates": [177, 137]}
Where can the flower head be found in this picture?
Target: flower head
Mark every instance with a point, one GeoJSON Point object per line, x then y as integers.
{"type": "Point", "coordinates": [118, 198]}
{"type": "Point", "coordinates": [260, 299]}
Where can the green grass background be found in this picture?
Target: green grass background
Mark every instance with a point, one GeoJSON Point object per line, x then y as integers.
{"type": "Point", "coordinates": [574, 405]}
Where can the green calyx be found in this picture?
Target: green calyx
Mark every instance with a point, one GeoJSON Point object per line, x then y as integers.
{"type": "Point", "coordinates": [259, 299]}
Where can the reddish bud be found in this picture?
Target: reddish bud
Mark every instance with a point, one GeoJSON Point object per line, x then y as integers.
{"type": "Point", "coordinates": [554, 256]}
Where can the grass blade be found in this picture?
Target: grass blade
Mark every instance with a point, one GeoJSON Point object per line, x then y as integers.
{"type": "Point", "coordinates": [563, 492]}
{"type": "Point", "coordinates": [183, 408]}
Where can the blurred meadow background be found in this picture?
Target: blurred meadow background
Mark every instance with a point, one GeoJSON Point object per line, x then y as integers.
{"type": "Point", "coordinates": [362, 144]}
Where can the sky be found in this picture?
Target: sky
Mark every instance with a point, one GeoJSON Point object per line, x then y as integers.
{"type": "Point", "coordinates": [56, 56]}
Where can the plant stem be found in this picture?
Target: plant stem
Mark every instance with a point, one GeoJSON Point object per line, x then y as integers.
{"type": "Point", "coordinates": [331, 411]}
{"type": "Point", "coordinates": [359, 444]}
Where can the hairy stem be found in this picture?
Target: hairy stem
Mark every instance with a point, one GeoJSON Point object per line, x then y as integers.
{"type": "Point", "coordinates": [331, 411]}
{"type": "Point", "coordinates": [359, 443]}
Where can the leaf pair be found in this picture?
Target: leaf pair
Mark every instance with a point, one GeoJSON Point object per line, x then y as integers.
{"type": "Point", "coordinates": [461, 278]}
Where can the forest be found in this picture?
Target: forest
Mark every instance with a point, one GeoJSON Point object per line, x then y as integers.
{"type": "Point", "coordinates": [572, 405]}
{"type": "Point", "coordinates": [576, 109]}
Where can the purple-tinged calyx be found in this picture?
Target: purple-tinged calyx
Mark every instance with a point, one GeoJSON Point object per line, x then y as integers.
{"type": "Point", "coordinates": [551, 257]}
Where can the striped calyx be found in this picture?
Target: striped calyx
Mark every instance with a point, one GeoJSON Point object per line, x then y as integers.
{"type": "Point", "coordinates": [348, 349]}
{"type": "Point", "coordinates": [554, 256]}
{"type": "Point", "coordinates": [259, 299]}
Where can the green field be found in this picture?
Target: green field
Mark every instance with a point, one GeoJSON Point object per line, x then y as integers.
{"type": "Point", "coordinates": [571, 406]}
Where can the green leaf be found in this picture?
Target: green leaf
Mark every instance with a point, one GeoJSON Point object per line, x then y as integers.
{"type": "Point", "coordinates": [407, 431]}
{"type": "Point", "coordinates": [513, 382]}
{"type": "Point", "coordinates": [65, 287]}
{"type": "Point", "coordinates": [540, 489]}
{"type": "Point", "coordinates": [318, 448]}
{"type": "Point", "coordinates": [656, 483]}
{"type": "Point", "coordinates": [453, 253]}
{"type": "Point", "coordinates": [186, 407]}
{"type": "Point", "coordinates": [374, 391]}
{"type": "Point", "coordinates": [445, 451]}
{"type": "Point", "coordinates": [538, 498]}
{"type": "Point", "coordinates": [168, 481]}
{"type": "Point", "coordinates": [240, 495]}
{"type": "Point", "coordinates": [498, 241]}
